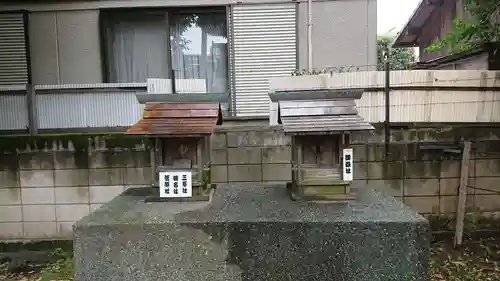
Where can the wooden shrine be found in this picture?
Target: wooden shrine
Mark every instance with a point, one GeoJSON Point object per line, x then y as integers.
{"type": "Point", "coordinates": [320, 123]}
{"type": "Point", "coordinates": [180, 126]}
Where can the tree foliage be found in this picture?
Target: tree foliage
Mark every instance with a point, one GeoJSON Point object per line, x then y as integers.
{"type": "Point", "coordinates": [399, 59]}
{"type": "Point", "coordinates": [481, 26]}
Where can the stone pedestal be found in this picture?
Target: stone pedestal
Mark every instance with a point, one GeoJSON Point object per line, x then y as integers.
{"type": "Point", "coordinates": [252, 234]}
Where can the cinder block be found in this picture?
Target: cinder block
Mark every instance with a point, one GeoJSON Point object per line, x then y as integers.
{"type": "Point", "coordinates": [40, 230]}
{"type": "Point", "coordinates": [9, 179]}
{"type": "Point", "coordinates": [97, 159]}
{"type": "Point", "coordinates": [71, 160]}
{"type": "Point", "coordinates": [491, 183]}
{"type": "Point", "coordinates": [104, 194]}
{"type": "Point", "coordinates": [359, 152]}
{"type": "Point", "coordinates": [71, 213]}
{"type": "Point", "coordinates": [360, 171]}
{"type": "Point", "coordinates": [486, 203]}
{"type": "Point", "coordinates": [219, 156]}
{"type": "Point", "coordinates": [108, 176]}
{"type": "Point", "coordinates": [421, 187]}
{"type": "Point", "coordinates": [448, 204]}
{"type": "Point", "coordinates": [375, 152]}
{"type": "Point", "coordinates": [11, 213]}
{"type": "Point", "coordinates": [422, 169]}
{"type": "Point", "coordinates": [138, 176]}
{"type": "Point", "coordinates": [389, 187]}
{"type": "Point", "coordinates": [381, 170]}
{"type": "Point", "coordinates": [39, 213]}
{"type": "Point", "coordinates": [244, 173]}
{"type": "Point", "coordinates": [37, 178]}
{"type": "Point", "coordinates": [79, 177]}
{"type": "Point", "coordinates": [450, 169]}
{"type": "Point", "coordinates": [219, 174]}
{"type": "Point", "coordinates": [244, 155]}
{"type": "Point", "coordinates": [39, 195]}
{"type": "Point", "coordinates": [423, 205]}
{"type": "Point", "coordinates": [11, 231]}
{"type": "Point", "coordinates": [94, 207]}
{"type": "Point", "coordinates": [10, 196]}
{"type": "Point", "coordinates": [36, 161]}
{"type": "Point", "coordinates": [139, 159]}
{"type": "Point", "coordinates": [487, 167]}
{"type": "Point", "coordinates": [65, 230]}
{"type": "Point", "coordinates": [277, 172]}
{"type": "Point", "coordinates": [218, 141]}
{"type": "Point", "coordinates": [72, 195]}
{"type": "Point", "coordinates": [275, 138]}
{"type": "Point", "coordinates": [277, 155]}
{"type": "Point", "coordinates": [117, 159]}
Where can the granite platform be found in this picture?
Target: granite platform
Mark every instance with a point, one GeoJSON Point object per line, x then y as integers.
{"type": "Point", "coordinates": [252, 234]}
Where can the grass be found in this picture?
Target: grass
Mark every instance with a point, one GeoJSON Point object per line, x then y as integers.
{"type": "Point", "coordinates": [476, 260]}
{"type": "Point", "coordinates": [61, 269]}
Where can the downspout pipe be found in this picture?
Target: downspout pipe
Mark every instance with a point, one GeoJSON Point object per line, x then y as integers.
{"type": "Point", "coordinates": [309, 36]}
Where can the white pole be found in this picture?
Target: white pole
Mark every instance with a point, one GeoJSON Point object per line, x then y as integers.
{"type": "Point", "coordinates": [309, 36]}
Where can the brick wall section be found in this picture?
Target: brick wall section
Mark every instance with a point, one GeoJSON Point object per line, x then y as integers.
{"type": "Point", "coordinates": [42, 192]}
{"type": "Point", "coordinates": [51, 190]}
{"type": "Point", "coordinates": [428, 180]}
{"type": "Point", "coordinates": [251, 154]}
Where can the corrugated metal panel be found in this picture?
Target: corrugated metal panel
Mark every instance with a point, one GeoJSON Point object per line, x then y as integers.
{"type": "Point", "coordinates": [73, 108]}
{"type": "Point", "coordinates": [14, 112]}
{"type": "Point", "coordinates": [178, 119]}
{"type": "Point", "coordinates": [230, 59]}
{"type": "Point", "coordinates": [264, 38]}
{"type": "Point", "coordinates": [324, 124]}
{"type": "Point", "coordinates": [164, 86]}
{"type": "Point", "coordinates": [13, 59]}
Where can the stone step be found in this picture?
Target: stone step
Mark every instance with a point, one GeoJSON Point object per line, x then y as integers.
{"type": "Point", "coordinates": [320, 176]}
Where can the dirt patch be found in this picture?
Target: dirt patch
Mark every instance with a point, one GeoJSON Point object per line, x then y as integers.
{"type": "Point", "coordinates": [475, 260]}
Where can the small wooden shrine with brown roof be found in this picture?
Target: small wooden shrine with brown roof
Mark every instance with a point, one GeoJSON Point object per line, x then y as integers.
{"type": "Point", "coordinates": [181, 126]}
{"type": "Point", "coordinates": [320, 122]}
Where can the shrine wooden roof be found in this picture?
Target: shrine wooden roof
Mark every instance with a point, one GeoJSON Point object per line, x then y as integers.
{"type": "Point", "coordinates": [314, 112]}
{"type": "Point", "coordinates": [178, 119]}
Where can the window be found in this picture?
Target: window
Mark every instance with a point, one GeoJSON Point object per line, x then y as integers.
{"type": "Point", "coordinates": [199, 44]}
{"type": "Point", "coordinates": [191, 44]}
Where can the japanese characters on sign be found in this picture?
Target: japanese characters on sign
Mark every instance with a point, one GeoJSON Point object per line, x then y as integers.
{"type": "Point", "coordinates": [175, 184]}
{"type": "Point", "coordinates": [347, 166]}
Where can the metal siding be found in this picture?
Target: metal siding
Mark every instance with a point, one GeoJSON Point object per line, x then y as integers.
{"type": "Point", "coordinates": [13, 57]}
{"type": "Point", "coordinates": [264, 39]}
{"type": "Point", "coordinates": [15, 112]}
{"type": "Point", "coordinates": [230, 62]}
{"type": "Point", "coordinates": [82, 108]}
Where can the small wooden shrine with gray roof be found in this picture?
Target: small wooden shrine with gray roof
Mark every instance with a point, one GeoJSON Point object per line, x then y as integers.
{"type": "Point", "coordinates": [320, 122]}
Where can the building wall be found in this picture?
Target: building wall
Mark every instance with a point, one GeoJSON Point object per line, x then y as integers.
{"type": "Point", "coordinates": [438, 25]}
{"type": "Point", "coordinates": [333, 44]}
{"type": "Point", "coordinates": [479, 62]}
{"type": "Point", "coordinates": [46, 187]}
{"type": "Point", "coordinates": [65, 45]}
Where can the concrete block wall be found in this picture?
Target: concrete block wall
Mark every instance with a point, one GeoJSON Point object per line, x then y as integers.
{"type": "Point", "coordinates": [251, 154]}
{"type": "Point", "coordinates": [428, 180]}
{"type": "Point", "coordinates": [42, 193]}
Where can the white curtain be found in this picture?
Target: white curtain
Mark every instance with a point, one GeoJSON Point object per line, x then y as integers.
{"type": "Point", "coordinates": [137, 48]}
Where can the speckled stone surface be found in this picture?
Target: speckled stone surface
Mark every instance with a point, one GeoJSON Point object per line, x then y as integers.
{"type": "Point", "coordinates": [252, 234]}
